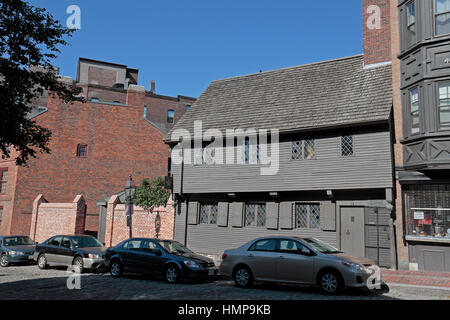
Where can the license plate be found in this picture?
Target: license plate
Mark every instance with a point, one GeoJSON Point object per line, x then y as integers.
{"type": "Point", "coordinates": [211, 272]}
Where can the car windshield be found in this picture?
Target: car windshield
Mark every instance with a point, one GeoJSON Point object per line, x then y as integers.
{"type": "Point", "coordinates": [174, 247]}
{"type": "Point", "coordinates": [321, 246]}
{"type": "Point", "coordinates": [85, 242]}
{"type": "Point", "coordinates": [18, 241]}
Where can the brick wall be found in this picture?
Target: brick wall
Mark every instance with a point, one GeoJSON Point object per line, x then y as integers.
{"type": "Point", "coordinates": [49, 219]}
{"type": "Point", "coordinates": [143, 222]}
{"type": "Point", "coordinates": [102, 76]}
{"type": "Point", "coordinates": [377, 42]}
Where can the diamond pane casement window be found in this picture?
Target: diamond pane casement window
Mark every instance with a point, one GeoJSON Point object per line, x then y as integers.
{"type": "Point", "coordinates": [205, 155]}
{"type": "Point", "coordinates": [255, 215]}
{"type": "Point", "coordinates": [208, 213]}
{"type": "Point", "coordinates": [307, 216]}
{"type": "Point", "coordinates": [301, 216]}
{"type": "Point", "coordinates": [297, 147]}
{"type": "Point", "coordinates": [314, 216]}
{"type": "Point", "coordinates": [346, 146]}
{"type": "Point", "coordinates": [309, 149]}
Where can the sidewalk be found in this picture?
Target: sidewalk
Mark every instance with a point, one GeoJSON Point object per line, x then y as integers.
{"type": "Point", "coordinates": [417, 278]}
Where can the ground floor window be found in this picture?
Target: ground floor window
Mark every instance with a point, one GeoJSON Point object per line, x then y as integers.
{"type": "Point", "coordinates": [255, 214]}
{"type": "Point", "coordinates": [307, 216]}
{"type": "Point", "coordinates": [208, 213]}
{"type": "Point", "coordinates": [428, 210]}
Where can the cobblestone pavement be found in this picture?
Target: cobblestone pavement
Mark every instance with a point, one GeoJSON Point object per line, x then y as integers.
{"type": "Point", "coordinates": [29, 282]}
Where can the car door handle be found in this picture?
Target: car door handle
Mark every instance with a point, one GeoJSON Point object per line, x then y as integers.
{"type": "Point", "coordinates": [281, 257]}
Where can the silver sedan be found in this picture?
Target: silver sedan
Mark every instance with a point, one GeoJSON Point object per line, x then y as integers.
{"type": "Point", "coordinates": [295, 260]}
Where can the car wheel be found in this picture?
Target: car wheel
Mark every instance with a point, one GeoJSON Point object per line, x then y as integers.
{"type": "Point", "coordinates": [172, 274]}
{"type": "Point", "coordinates": [4, 261]}
{"type": "Point", "coordinates": [78, 263]}
{"type": "Point", "coordinates": [330, 282]}
{"type": "Point", "coordinates": [243, 277]}
{"type": "Point", "coordinates": [115, 268]}
{"type": "Point", "coordinates": [42, 261]}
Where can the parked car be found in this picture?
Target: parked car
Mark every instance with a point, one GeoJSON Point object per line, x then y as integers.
{"type": "Point", "coordinates": [167, 258]}
{"type": "Point", "coordinates": [83, 251]}
{"type": "Point", "coordinates": [294, 260]}
{"type": "Point", "coordinates": [16, 249]}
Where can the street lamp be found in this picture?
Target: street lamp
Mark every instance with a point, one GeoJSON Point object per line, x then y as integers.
{"type": "Point", "coordinates": [130, 190]}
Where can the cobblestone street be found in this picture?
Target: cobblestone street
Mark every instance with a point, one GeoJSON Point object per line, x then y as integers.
{"type": "Point", "coordinates": [29, 282]}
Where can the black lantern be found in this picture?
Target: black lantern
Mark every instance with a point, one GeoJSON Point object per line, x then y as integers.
{"type": "Point", "coordinates": [130, 190]}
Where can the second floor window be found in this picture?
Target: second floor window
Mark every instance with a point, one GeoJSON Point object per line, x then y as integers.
{"type": "Point", "coordinates": [411, 22]}
{"type": "Point", "coordinates": [3, 180]}
{"type": "Point", "coordinates": [346, 146]}
{"type": "Point", "coordinates": [251, 152]}
{"type": "Point", "coordinates": [170, 116]}
{"type": "Point", "coordinates": [442, 17]}
{"type": "Point", "coordinates": [444, 105]}
{"type": "Point", "coordinates": [414, 111]}
{"type": "Point", "coordinates": [82, 150]}
{"type": "Point", "coordinates": [255, 214]}
{"type": "Point", "coordinates": [303, 149]}
{"type": "Point", "coordinates": [204, 155]}
{"type": "Point", "coordinates": [208, 213]}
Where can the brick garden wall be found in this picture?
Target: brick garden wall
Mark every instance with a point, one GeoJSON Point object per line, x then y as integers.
{"type": "Point", "coordinates": [143, 222]}
{"type": "Point", "coordinates": [49, 219]}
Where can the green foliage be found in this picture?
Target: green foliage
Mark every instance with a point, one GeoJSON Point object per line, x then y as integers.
{"type": "Point", "coordinates": [29, 39]}
{"type": "Point", "coordinates": [151, 195]}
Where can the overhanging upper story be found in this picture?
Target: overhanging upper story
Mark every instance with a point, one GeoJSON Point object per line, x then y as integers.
{"type": "Point", "coordinates": [333, 122]}
{"type": "Point", "coordinates": [425, 83]}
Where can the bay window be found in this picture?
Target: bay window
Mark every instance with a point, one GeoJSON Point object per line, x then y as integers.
{"type": "Point", "coordinates": [441, 17]}
{"type": "Point", "coordinates": [444, 105]}
{"type": "Point", "coordinates": [414, 110]}
{"type": "Point", "coordinates": [411, 22]}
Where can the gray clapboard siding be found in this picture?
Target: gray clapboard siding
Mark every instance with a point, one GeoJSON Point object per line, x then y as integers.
{"type": "Point", "coordinates": [211, 239]}
{"type": "Point", "coordinates": [369, 167]}
{"type": "Point", "coordinates": [272, 215]}
{"type": "Point", "coordinates": [222, 218]}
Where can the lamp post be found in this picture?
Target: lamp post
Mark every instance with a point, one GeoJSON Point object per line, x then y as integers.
{"type": "Point", "coordinates": [130, 189]}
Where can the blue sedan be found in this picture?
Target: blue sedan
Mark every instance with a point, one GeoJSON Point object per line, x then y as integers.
{"type": "Point", "coordinates": [16, 249]}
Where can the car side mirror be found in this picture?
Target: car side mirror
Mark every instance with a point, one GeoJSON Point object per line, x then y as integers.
{"type": "Point", "coordinates": [306, 252]}
{"type": "Point", "coordinates": [158, 252]}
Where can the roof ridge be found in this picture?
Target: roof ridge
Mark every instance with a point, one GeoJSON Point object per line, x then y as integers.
{"type": "Point", "coordinates": [292, 67]}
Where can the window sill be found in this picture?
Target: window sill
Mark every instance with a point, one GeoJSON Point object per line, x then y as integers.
{"type": "Point", "coordinates": [427, 239]}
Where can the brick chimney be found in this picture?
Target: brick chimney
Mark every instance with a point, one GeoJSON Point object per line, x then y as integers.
{"type": "Point", "coordinates": [376, 31]}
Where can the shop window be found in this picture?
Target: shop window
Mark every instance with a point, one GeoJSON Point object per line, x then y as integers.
{"type": "Point", "coordinates": [3, 180]}
{"type": "Point", "coordinates": [428, 210]}
{"type": "Point", "coordinates": [208, 213]}
{"type": "Point", "coordinates": [442, 17]}
{"type": "Point", "coordinates": [255, 214]}
{"type": "Point", "coordinates": [307, 216]}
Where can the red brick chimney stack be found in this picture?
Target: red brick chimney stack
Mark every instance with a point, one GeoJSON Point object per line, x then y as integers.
{"type": "Point", "coordinates": [377, 32]}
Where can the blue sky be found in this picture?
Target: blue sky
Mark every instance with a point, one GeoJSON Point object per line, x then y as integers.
{"type": "Point", "coordinates": [184, 45]}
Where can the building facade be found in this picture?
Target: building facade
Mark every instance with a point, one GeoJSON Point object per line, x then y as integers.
{"type": "Point", "coordinates": [424, 174]}
{"type": "Point", "coordinates": [95, 146]}
{"type": "Point", "coordinates": [335, 177]}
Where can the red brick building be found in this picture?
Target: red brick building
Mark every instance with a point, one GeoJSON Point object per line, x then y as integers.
{"type": "Point", "coordinates": [94, 147]}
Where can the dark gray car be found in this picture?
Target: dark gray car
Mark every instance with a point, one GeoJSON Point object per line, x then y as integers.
{"type": "Point", "coordinates": [16, 249]}
{"type": "Point", "coordinates": [83, 251]}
